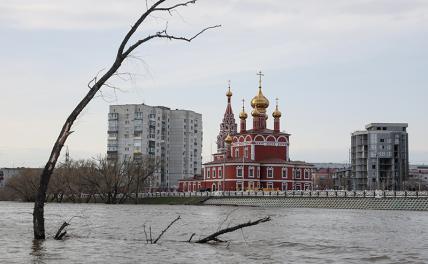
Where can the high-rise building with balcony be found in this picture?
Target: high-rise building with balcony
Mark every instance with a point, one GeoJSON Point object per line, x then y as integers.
{"type": "Point", "coordinates": [380, 157]}
{"type": "Point", "coordinates": [172, 136]}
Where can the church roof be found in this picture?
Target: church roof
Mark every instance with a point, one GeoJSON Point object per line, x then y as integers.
{"type": "Point", "coordinates": [231, 160]}
{"type": "Point", "coordinates": [282, 161]}
{"type": "Point", "coordinates": [266, 161]}
{"type": "Point", "coordinates": [265, 131]}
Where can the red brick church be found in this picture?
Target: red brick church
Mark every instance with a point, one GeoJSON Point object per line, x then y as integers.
{"type": "Point", "coordinates": [253, 159]}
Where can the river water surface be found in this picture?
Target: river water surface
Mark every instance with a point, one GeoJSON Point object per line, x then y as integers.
{"type": "Point", "coordinates": [114, 234]}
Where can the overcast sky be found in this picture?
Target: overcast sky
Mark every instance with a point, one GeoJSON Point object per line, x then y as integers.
{"type": "Point", "coordinates": [334, 65]}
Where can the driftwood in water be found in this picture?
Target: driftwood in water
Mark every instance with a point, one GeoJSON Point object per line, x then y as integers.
{"type": "Point", "coordinates": [163, 231]}
{"type": "Point", "coordinates": [60, 234]}
{"type": "Point", "coordinates": [214, 236]}
{"type": "Point", "coordinates": [190, 239]}
{"type": "Point", "coordinates": [150, 239]}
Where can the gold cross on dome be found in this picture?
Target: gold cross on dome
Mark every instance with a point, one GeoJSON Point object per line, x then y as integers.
{"type": "Point", "coordinates": [260, 74]}
{"type": "Point", "coordinates": [243, 104]}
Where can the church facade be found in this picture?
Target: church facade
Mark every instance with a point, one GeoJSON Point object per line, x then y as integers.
{"type": "Point", "coordinates": [252, 159]}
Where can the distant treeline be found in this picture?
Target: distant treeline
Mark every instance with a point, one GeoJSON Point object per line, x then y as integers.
{"type": "Point", "coordinates": [99, 180]}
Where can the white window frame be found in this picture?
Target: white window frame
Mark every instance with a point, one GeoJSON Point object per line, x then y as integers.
{"type": "Point", "coordinates": [284, 175]}
{"type": "Point", "coordinates": [284, 184]}
{"type": "Point", "coordinates": [208, 173]}
{"type": "Point", "coordinates": [306, 174]}
{"type": "Point", "coordinates": [214, 173]}
{"type": "Point", "coordinates": [269, 169]}
{"type": "Point", "coordinates": [251, 169]}
{"type": "Point", "coordinates": [236, 152]}
{"type": "Point", "coordinates": [269, 184]}
{"type": "Point", "coordinates": [239, 169]}
{"type": "Point", "coordinates": [258, 172]}
{"type": "Point", "coordinates": [220, 173]}
{"type": "Point", "coordinates": [297, 174]}
{"type": "Point", "coordinates": [251, 185]}
{"type": "Point", "coordinates": [240, 183]}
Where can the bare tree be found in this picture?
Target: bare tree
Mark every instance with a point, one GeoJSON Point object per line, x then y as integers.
{"type": "Point", "coordinates": [124, 50]}
{"type": "Point", "coordinates": [144, 170]}
{"type": "Point", "coordinates": [25, 184]}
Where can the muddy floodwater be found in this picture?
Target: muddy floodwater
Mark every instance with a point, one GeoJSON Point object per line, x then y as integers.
{"type": "Point", "coordinates": [114, 234]}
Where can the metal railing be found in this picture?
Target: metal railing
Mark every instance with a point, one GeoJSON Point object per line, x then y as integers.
{"type": "Point", "coordinates": [324, 194]}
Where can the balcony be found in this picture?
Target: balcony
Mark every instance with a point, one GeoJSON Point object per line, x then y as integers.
{"type": "Point", "coordinates": [113, 128]}
{"type": "Point", "coordinates": [138, 116]}
{"type": "Point", "coordinates": [112, 148]}
{"type": "Point", "coordinates": [113, 116]}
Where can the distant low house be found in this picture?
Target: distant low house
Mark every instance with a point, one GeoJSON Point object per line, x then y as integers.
{"type": "Point", "coordinates": [7, 173]}
{"type": "Point", "coordinates": [418, 178]}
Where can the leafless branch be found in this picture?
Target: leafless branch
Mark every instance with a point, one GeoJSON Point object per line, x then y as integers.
{"type": "Point", "coordinates": [163, 231]}
{"type": "Point", "coordinates": [60, 234]}
{"type": "Point", "coordinates": [190, 239]}
{"type": "Point", "coordinates": [227, 217]}
{"type": "Point", "coordinates": [214, 236]}
{"type": "Point", "coordinates": [168, 9]}
{"type": "Point", "coordinates": [164, 34]}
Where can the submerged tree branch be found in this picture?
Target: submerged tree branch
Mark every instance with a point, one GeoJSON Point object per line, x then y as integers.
{"type": "Point", "coordinates": [163, 231]}
{"type": "Point", "coordinates": [214, 236]}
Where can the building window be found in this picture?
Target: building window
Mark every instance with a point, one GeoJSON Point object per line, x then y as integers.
{"type": "Point", "coordinates": [214, 173]}
{"type": "Point", "coordinates": [307, 174]}
{"type": "Point", "coordinates": [270, 185]}
{"type": "Point", "coordinates": [236, 152]}
{"type": "Point", "coordinates": [246, 153]}
{"type": "Point", "coordinates": [239, 186]}
{"type": "Point", "coordinates": [297, 186]}
{"type": "Point", "coordinates": [284, 173]}
{"type": "Point", "coordinates": [251, 172]}
{"type": "Point", "coordinates": [270, 172]}
{"type": "Point", "coordinates": [258, 172]}
{"type": "Point", "coordinates": [284, 186]}
{"type": "Point", "coordinates": [297, 174]}
{"type": "Point", "coordinates": [220, 173]}
{"type": "Point", "coordinates": [239, 172]}
{"type": "Point", "coordinates": [208, 173]}
{"type": "Point", "coordinates": [307, 186]}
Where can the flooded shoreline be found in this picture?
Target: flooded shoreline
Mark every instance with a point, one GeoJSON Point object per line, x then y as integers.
{"type": "Point", "coordinates": [114, 233]}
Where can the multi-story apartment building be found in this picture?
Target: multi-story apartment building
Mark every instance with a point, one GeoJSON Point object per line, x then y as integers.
{"type": "Point", "coordinates": [380, 157]}
{"type": "Point", "coordinates": [172, 136]}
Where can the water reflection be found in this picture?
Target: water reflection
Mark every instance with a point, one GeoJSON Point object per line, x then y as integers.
{"type": "Point", "coordinates": [38, 251]}
{"type": "Point", "coordinates": [114, 234]}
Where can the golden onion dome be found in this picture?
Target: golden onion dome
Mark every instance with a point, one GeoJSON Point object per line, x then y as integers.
{"type": "Point", "coordinates": [229, 93]}
{"type": "Point", "coordinates": [228, 139]}
{"type": "Point", "coordinates": [255, 112]}
{"type": "Point", "coordinates": [276, 113]}
{"type": "Point", "coordinates": [243, 114]}
{"type": "Point", "coordinates": [260, 101]}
